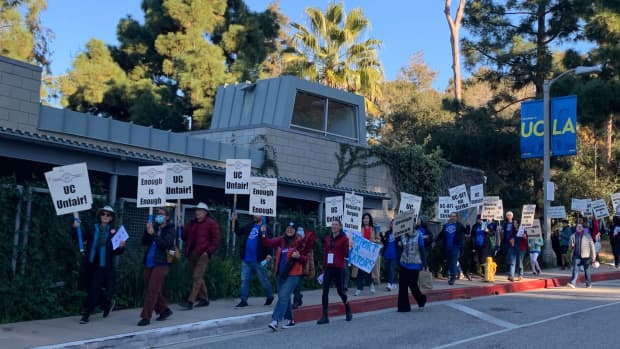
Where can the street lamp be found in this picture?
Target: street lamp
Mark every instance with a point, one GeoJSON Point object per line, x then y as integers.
{"type": "Point", "coordinates": [548, 255]}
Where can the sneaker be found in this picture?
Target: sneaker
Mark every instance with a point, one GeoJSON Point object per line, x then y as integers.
{"type": "Point", "coordinates": [357, 292]}
{"type": "Point", "coordinates": [372, 288]}
{"type": "Point", "coordinates": [144, 322]}
{"type": "Point", "coordinates": [451, 282]}
{"type": "Point", "coordinates": [570, 285]}
{"type": "Point", "coordinates": [273, 326]}
{"type": "Point", "coordinates": [202, 303]}
{"type": "Point", "coordinates": [469, 277]}
{"type": "Point", "coordinates": [164, 315]}
{"type": "Point", "coordinates": [588, 286]}
{"type": "Point", "coordinates": [511, 279]}
{"type": "Point", "coordinates": [187, 305]}
{"type": "Point", "coordinates": [242, 304]}
{"type": "Point", "coordinates": [388, 287]}
{"type": "Point", "coordinates": [109, 308]}
{"type": "Point", "coordinates": [519, 278]}
{"type": "Point", "coordinates": [291, 324]}
{"type": "Point", "coordinates": [84, 319]}
{"type": "Point", "coordinates": [269, 300]}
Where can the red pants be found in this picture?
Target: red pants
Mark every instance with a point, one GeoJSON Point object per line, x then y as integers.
{"type": "Point", "coordinates": [153, 299]}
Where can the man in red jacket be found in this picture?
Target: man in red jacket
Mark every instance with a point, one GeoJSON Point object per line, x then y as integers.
{"type": "Point", "coordinates": [202, 238]}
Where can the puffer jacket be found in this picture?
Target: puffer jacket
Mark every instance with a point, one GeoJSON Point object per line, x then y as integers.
{"type": "Point", "coordinates": [587, 246]}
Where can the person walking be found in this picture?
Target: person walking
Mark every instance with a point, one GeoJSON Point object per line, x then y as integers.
{"type": "Point", "coordinates": [452, 234]}
{"type": "Point", "coordinates": [390, 256]}
{"type": "Point", "coordinates": [480, 243]}
{"type": "Point", "coordinates": [159, 238]}
{"type": "Point", "coordinates": [254, 257]}
{"type": "Point", "coordinates": [535, 245]}
{"type": "Point", "coordinates": [511, 243]}
{"type": "Point", "coordinates": [335, 249]}
{"type": "Point", "coordinates": [412, 260]}
{"type": "Point", "coordinates": [202, 238]}
{"type": "Point", "coordinates": [565, 235]}
{"type": "Point", "coordinates": [369, 233]}
{"type": "Point", "coordinates": [584, 254]}
{"type": "Point", "coordinates": [98, 274]}
{"type": "Point", "coordinates": [614, 239]}
{"type": "Point", "coordinates": [292, 252]}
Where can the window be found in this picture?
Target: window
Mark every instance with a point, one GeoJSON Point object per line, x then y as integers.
{"type": "Point", "coordinates": [324, 116]}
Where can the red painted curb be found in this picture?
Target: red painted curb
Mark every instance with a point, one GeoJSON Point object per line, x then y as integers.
{"type": "Point", "coordinates": [313, 312]}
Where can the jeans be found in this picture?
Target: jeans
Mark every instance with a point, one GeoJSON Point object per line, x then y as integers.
{"type": "Point", "coordinates": [249, 268]}
{"type": "Point", "coordinates": [390, 266]}
{"type": "Point", "coordinates": [452, 256]}
{"type": "Point", "coordinates": [283, 308]}
{"type": "Point", "coordinates": [521, 255]}
{"type": "Point", "coordinates": [585, 262]}
{"type": "Point", "coordinates": [512, 254]}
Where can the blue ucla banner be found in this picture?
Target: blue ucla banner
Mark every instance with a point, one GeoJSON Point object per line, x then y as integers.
{"type": "Point", "coordinates": [563, 127]}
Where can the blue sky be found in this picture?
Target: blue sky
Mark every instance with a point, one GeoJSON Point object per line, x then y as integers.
{"type": "Point", "coordinates": [404, 26]}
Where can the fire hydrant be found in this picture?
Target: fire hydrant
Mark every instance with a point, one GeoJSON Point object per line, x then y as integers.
{"type": "Point", "coordinates": [489, 270]}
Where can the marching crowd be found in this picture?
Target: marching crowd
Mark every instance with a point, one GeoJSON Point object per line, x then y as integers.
{"type": "Point", "coordinates": [465, 249]}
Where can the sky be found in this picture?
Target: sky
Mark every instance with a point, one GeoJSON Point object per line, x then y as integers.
{"type": "Point", "coordinates": [404, 26]}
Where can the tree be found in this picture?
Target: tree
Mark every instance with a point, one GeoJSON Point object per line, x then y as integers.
{"type": "Point", "coordinates": [455, 25]}
{"type": "Point", "coordinates": [330, 51]}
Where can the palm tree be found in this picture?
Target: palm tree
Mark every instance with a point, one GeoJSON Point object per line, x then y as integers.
{"type": "Point", "coordinates": [330, 51]}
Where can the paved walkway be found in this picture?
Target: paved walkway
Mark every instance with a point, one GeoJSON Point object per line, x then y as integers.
{"type": "Point", "coordinates": [120, 330]}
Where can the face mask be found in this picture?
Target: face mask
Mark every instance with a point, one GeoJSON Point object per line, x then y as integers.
{"type": "Point", "coordinates": [159, 219]}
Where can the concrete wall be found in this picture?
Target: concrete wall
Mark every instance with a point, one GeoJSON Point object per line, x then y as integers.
{"type": "Point", "coordinates": [20, 91]}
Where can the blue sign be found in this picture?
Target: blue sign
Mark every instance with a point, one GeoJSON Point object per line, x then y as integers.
{"type": "Point", "coordinates": [563, 127]}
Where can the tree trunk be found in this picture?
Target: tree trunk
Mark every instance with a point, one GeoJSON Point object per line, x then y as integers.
{"type": "Point", "coordinates": [610, 130]}
{"type": "Point", "coordinates": [454, 26]}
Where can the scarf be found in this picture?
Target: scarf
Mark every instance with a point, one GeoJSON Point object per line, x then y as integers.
{"type": "Point", "coordinates": [102, 247]}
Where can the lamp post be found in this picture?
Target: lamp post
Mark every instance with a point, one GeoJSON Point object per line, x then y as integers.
{"type": "Point", "coordinates": [548, 254]}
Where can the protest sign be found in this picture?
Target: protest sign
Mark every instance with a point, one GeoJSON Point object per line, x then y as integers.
{"type": "Point", "coordinates": [238, 172]}
{"type": "Point", "coordinates": [581, 205]}
{"type": "Point", "coordinates": [364, 252]}
{"type": "Point", "coordinates": [599, 208]}
{"type": "Point", "coordinates": [535, 230]}
{"type": "Point", "coordinates": [263, 195]}
{"type": "Point", "coordinates": [492, 208]}
{"type": "Point", "coordinates": [353, 206]}
{"type": "Point", "coordinates": [527, 215]}
{"type": "Point", "coordinates": [179, 181]}
{"type": "Point", "coordinates": [459, 195]}
{"type": "Point", "coordinates": [409, 202]}
{"type": "Point", "coordinates": [151, 186]}
{"type": "Point", "coordinates": [70, 188]}
{"type": "Point", "coordinates": [445, 207]}
{"type": "Point", "coordinates": [333, 209]}
{"type": "Point", "coordinates": [615, 202]}
{"type": "Point", "coordinates": [557, 212]}
{"type": "Point", "coordinates": [477, 195]}
{"type": "Point", "coordinates": [404, 223]}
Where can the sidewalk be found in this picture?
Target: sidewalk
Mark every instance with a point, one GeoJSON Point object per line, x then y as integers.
{"type": "Point", "coordinates": [120, 330]}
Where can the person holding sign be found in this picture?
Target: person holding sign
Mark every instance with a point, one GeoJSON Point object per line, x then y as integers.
{"type": "Point", "coordinates": [535, 245]}
{"type": "Point", "coordinates": [412, 260]}
{"type": "Point", "coordinates": [452, 234]}
{"type": "Point", "coordinates": [291, 254]}
{"type": "Point", "coordinates": [254, 258]}
{"type": "Point", "coordinates": [202, 238]}
{"type": "Point", "coordinates": [159, 238]}
{"type": "Point", "coordinates": [480, 244]}
{"type": "Point", "coordinates": [369, 233]}
{"type": "Point", "coordinates": [98, 275]}
{"type": "Point", "coordinates": [510, 244]}
{"type": "Point", "coordinates": [335, 250]}
{"type": "Point", "coordinates": [584, 254]}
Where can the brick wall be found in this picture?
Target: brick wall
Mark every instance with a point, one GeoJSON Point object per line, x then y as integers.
{"type": "Point", "coordinates": [20, 91]}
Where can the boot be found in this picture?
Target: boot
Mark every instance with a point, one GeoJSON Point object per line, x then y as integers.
{"type": "Point", "coordinates": [324, 319]}
{"type": "Point", "coordinates": [348, 312]}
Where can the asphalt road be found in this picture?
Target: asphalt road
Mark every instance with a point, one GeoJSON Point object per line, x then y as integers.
{"type": "Point", "coordinates": [550, 318]}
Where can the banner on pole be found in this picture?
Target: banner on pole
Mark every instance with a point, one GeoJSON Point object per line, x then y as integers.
{"type": "Point", "coordinates": [238, 173]}
{"type": "Point", "coordinates": [70, 188]}
{"type": "Point", "coordinates": [151, 186]}
{"type": "Point", "coordinates": [333, 209]}
{"type": "Point", "coordinates": [563, 127]}
{"type": "Point", "coordinates": [263, 196]}
{"type": "Point", "coordinates": [353, 206]}
{"type": "Point", "coordinates": [179, 180]}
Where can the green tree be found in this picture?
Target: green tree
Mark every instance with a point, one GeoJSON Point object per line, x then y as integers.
{"type": "Point", "coordinates": [332, 51]}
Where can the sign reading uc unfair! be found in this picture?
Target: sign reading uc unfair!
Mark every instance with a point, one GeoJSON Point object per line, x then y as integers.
{"type": "Point", "coordinates": [563, 127]}
{"type": "Point", "coordinates": [263, 195]}
{"type": "Point", "coordinates": [353, 206]}
{"type": "Point", "coordinates": [333, 209]}
{"type": "Point", "coordinates": [70, 188]}
{"type": "Point", "coordinates": [151, 186]}
{"type": "Point", "coordinates": [179, 180]}
{"type": "Point", "coordinates": [238, 172]}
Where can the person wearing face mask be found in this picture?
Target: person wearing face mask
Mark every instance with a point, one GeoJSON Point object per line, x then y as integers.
{"type": "Point", "coordinates": [202, 238]}
{"type": "Point", "coordinates": [290, 255]}
{"type": "Point", "coordinates": [159, 238]}
{"type": "Point", "coordinates": [584, 254]}
{"type": "Point", "coordinates": [98, 275]}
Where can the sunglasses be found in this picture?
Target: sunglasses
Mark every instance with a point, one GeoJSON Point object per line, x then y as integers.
{"type": "Point", "coordinates": [106, 214]}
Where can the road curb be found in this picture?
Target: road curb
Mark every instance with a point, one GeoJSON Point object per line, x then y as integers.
{"type": "Point", "coordinates": [313, 312]}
